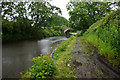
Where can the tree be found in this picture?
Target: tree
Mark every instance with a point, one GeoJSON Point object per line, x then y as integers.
{"type": "Point", "coordinates": [84, 14]}
{"type": "Point", "coordinates": [58, 20]}
{"type": "Point", "coordinates": [41, 13]}
{"type": "Point", "coordinates": [24, 19]}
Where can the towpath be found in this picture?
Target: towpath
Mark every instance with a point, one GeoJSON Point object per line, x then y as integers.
{"type": "Point", "coordinates": [87, 66]}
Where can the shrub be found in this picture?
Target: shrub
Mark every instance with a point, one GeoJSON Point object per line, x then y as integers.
{"type": "Point", "coordinates": [43, 67]}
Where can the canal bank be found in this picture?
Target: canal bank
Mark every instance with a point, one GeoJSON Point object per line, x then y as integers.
{"type": "Point", "coordinates": [58, 66]}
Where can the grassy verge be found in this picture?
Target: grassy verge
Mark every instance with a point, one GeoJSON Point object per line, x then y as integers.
{"type": "Point", "coordinates": [104, 49]}
{"type": "Point", "coordinates": [63, 57]}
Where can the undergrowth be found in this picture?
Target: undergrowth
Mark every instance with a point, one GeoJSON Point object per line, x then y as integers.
{"type": "Point", "coordinates": [105, 35]}
{"type": "Point", "coordinates": [43, 67]}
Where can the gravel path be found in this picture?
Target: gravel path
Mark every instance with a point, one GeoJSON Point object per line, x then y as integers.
{"type": "Point", "coordinates": [89, 67]}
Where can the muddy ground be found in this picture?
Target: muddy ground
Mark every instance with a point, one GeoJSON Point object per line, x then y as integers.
{"type": "Point", "coordinates": [90, 66]}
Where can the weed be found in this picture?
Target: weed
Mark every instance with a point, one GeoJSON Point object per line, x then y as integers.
{"type": "Point", "coordinates": [43, 67]}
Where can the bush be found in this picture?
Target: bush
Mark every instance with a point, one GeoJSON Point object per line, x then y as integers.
{"type": "Point", "coordinates": [43, 67]}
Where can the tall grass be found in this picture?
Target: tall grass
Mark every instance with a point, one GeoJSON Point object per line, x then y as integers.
{"type": "Point", "coordinates": [105, 35]}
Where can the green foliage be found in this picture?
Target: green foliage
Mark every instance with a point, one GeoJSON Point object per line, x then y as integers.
{"type": "Point", "coordinates": [84, 14]}
{"type": "Point", "coordinates": [49, 32]}
{"type": "Point", "coordinates": [105, 34]}
{"type": "Point", "coordinates": [59, 67]}
{"type": "Point", "coordinates": [63, 57]}
{"type": "Point", "coordinates": [58, 20]}
{"type": "Point", "coordinates": [62, 48]}
{"type": "Point", "coordinates": [24, 22]}
{"type": "Point", "coordinates": [39, 12]}
{"type": "Point", "coordinates": [12, 31]}
{"type": "Point", "coordinates": [43, 67]}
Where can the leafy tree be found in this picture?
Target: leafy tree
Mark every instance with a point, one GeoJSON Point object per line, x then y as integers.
{"type": "Point", "coordinates": [21, 20]}
{"type": "Point", "coordinates": [41, 12]}
{"type": "Point", "coordinates": [84, 14]}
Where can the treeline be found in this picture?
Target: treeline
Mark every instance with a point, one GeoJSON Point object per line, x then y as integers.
{"type": "Point", "coordinates": [30, 20]}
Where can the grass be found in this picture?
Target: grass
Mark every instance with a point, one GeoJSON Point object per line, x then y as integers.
{"type": "Point", "coordinates": [63, 57]}
{"type": "Point", "coordinates": [104, 35]}
{"type": "Point", "coordinates": [104, 49]}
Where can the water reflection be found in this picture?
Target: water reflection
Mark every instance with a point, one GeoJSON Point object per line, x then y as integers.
{"type": "Point", "coordinates": [44, 46]}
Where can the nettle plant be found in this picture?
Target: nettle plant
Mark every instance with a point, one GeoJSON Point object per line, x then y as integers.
{"type": "Point", "coordinates": [43, 67]}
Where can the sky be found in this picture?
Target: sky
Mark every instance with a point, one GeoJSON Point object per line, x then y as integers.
{"type": "Point", "coordinates": [62, 5]}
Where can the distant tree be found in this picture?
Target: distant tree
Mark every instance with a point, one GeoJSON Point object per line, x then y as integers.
{"type": "Point", "coordinates": [58, 20]}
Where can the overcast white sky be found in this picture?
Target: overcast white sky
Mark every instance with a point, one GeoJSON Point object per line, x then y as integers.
{"type": "Point", "coordinates": [62, 5]}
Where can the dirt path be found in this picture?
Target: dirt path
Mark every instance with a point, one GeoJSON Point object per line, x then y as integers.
{"type": "Point", "coordinates": [89, 67]}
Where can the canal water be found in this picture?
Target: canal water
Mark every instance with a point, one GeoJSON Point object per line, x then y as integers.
{"type": "Point", "coordinates": [17, 56]}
